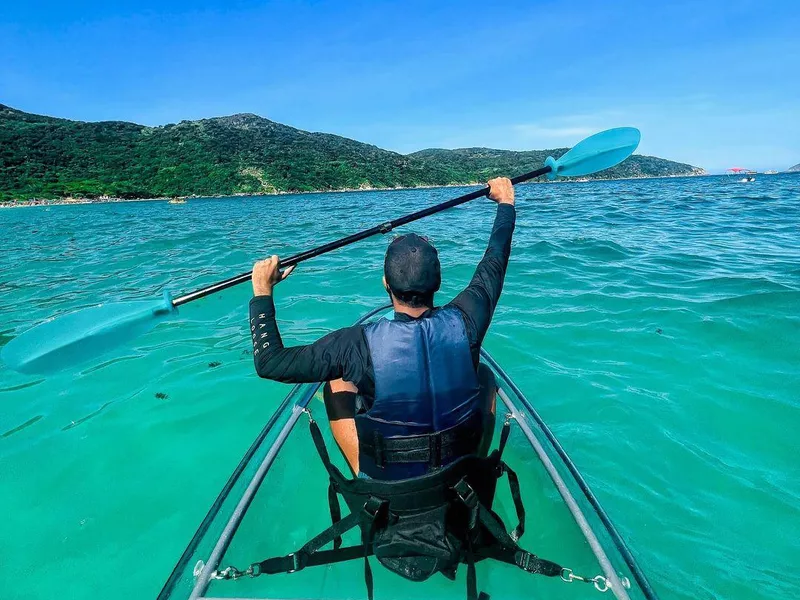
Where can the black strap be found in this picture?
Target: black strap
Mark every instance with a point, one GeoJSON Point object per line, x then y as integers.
{"type": "Point", "coordinates": [336, 512]}
{"type": "Point", "coordinates": [377, 448]}
{"type": "Point", "coordinates": [293, 562]}
{"type": "Point", "coordinates": [516, 496]}
{"type": "Point", "coordinates": [472, 578]}
{"type": "Point", "coordinates": [376, 511]}
{"type": "Point", "coordinates": [366, 545]}
{"type": "Point", "coordinates": [435, 449]}
{"type": "Point", "coordinates": [470, 499]}
{"type": "Point", "coordinates": [525, 560]}
{"type": "Point", "coordinates": [319, 443]}
{"type": "Point", "coordinates": [504, 433]}
{"type": "Point", "coordinates": [506, 548]}
{"type": "Point", "coordinates": [368, 578]}
{"type": "Point", "coordinates": [480, 512]}
{"type": "Point", "coordinates": [305, 556]}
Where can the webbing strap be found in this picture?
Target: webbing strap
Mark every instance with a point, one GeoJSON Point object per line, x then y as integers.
{"type": "Point", "coordinates": [336, 512]}
{"type": "Point", "coordinates": [377, 511]}
{"type": "Point", "coordinates": [506, 548]}
{"type": "Point", "coordinates": [478, 511]}
{"type": "Point", "coordinates": [311, 555]}
{"type": "Point", "coordinates": [516, 496]}
{"type": "Point", "coordinates": [319, 443]}
{"type": "Point", "coordinates": [292, 562]}
{"type": "Point", "coordinates": [504, 433]}
{"type": "Point", "coordinates": [333, 499]}
{"type": "Point", "coordinates": [302, 558]}
{"type": "Point", "coordinates": [435, 449]}
{"type": "Point", "coordinates": [368, 581]}
{"type": "Point", "coordinates": [525, 560]}
{"type": "Point", "coordinates": [472, 578]}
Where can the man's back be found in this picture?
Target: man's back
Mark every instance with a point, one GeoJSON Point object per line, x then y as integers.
{"type": "Point", "coordinates": [429, 356]}
{"type": "Point", "coordinates": [425, 383]}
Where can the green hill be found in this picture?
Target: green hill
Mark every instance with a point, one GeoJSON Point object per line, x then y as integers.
{"type": "Point", "coordinates": [484, 163]}
{"type": "Point", "coordinates": [46, 157]}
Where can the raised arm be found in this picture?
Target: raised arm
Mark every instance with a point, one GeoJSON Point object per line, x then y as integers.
{"type": "Point", "coordinates": [479, 299]}
{"type": "Point", "coordinates": [328, 358]}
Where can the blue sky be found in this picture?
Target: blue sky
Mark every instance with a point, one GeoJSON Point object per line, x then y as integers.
{"type": "Point", "coordinates": [714, 84]}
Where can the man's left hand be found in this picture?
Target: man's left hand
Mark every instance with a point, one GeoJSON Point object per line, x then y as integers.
{"type": "Point", "coordinates": [267, 274]}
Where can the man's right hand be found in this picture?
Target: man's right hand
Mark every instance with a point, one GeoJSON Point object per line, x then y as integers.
{"type": "Point", "coordinates": [267, 274]}
{"type": "Point", "coordinates": [501, 190]}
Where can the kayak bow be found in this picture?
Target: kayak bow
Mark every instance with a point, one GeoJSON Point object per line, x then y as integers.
{"type": "Point", "coordinates": [237, 527]}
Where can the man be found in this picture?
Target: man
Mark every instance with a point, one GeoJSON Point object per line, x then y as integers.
{"type": "Point", "coordinates": [407, 396]}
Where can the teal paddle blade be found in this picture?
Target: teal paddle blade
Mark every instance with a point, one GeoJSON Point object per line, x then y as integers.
{"type": "Point", "coordinates": [597, 152]}
{"type": "Point", "coordinates": [83, 335]}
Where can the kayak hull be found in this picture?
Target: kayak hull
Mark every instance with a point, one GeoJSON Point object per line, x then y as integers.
{"type": "Point", "coordinates": [276, 500]}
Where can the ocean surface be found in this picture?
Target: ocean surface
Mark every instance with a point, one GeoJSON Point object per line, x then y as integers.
{"type": "Point", "coordinates": [654, 323]}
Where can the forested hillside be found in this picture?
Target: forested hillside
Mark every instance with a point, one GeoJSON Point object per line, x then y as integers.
{"type": "Point", "coordinates": [45, 157]}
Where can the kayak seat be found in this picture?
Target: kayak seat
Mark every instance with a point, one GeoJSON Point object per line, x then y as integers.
{"type": "Point", "coordinates": [421, 526]}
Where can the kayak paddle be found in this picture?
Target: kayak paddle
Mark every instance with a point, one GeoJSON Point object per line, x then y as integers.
{"type": "Point", "coordinates": [91, 332]}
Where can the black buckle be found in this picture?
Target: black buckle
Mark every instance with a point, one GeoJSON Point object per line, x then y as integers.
{"type": "Point", "coordinates": [470, 499]}
{"type": "Point", "coordinates": [373, 507]}
{"type": "Point", "coordinates": [298, 561]}
{"type": "Point", "coordinates": [466, 493]}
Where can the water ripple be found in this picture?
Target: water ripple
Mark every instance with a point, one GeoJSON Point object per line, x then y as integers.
{"type": "Point", "coordinates": [655, 323]}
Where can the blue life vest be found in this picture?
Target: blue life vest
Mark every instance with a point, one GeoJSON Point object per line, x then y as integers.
{"type": "Point", "coordinates": [427, 408]}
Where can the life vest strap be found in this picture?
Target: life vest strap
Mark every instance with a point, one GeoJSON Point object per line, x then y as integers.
{"type": "Point", "coordinates": [433, 449]}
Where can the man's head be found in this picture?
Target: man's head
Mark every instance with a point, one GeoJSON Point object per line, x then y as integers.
{"type": "Point", "coordinates": [412, 271]}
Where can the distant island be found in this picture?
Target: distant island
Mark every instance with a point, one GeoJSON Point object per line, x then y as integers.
{"type": "Point", "coordinates": [49, 158]}
{"type": "Point", "coordinates": [794, 169]}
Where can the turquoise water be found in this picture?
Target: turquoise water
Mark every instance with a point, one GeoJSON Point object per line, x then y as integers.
{"type": "Point", "coordinates": [655, 324]}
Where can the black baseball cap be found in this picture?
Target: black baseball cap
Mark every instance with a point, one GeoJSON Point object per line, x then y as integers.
{"type": "Point", "coordinates": [412, 266]}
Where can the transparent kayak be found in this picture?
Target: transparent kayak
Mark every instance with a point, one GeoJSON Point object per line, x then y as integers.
{"type": "Point", "coordinates": [276, 500]}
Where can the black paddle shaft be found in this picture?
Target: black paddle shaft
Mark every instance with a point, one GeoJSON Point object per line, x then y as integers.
{"type": "Point", "coordinates": [356, 237]}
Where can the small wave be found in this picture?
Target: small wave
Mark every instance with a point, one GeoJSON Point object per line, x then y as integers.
{"type": "Point", "coordinates": [601, 250]}
{"type": "Point", "coordinates": [91, 415]}
{"type": "Point", "coordinates": [21, 386]}
{"type": "Point", "coordinates": [19, 428]}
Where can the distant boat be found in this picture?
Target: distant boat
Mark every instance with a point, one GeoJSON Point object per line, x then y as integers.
{"type": "Point", "coordinates": [770, 172]}
{"type": "Point", "coordinates": [178, 200]}
{"type": "Point", "coordinates": [741, 175]}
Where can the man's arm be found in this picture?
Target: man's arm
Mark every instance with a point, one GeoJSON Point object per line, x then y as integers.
{"type": "Point", "coordinates": [478, 301]}
{"type": "Point", "coordinates": [332, 357]}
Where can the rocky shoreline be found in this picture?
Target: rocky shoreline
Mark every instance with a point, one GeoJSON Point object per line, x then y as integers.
{"type": "Point", "coordinates": [110, 200]}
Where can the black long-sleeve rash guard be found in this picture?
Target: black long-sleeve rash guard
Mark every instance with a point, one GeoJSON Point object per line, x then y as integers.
{"type": "Point", "coordinates": [344, 353]}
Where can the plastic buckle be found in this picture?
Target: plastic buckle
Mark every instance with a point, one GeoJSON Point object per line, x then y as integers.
{"type": "Point", "coordinates": [372, 507]}
{"type": "Point", "coordinates": [297, 562]}
{"type": "Point", "coordinates": [466, 493]}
